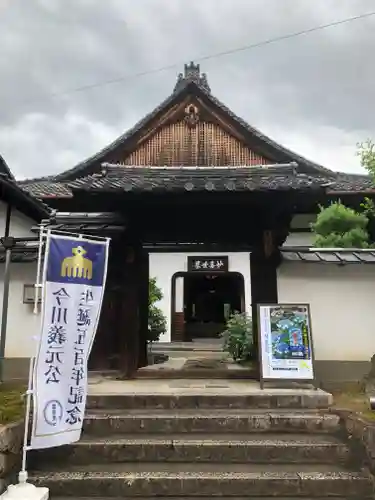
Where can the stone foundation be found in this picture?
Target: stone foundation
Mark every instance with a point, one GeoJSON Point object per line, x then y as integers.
{"type": "Point", "coordinates": [11, 438]}
{"type": "Point", "coordinates": [361, 434]}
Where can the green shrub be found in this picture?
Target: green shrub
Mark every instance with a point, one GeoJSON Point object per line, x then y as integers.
{"type": "Point", "coordinates": [157, 323]}
{"type": "Point", "coordinates": [338, 226]}
{"type": "Point", "coordinates": [238, 338]}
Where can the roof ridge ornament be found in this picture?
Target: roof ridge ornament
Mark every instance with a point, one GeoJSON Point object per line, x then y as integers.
{"type": "Point", "coordinates": [192, 73]}
{"type": "Point", "coordinates": [191, 115]}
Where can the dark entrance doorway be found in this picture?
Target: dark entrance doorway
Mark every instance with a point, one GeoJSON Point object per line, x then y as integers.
{"type": "Point", "coordinates": [208, 301]}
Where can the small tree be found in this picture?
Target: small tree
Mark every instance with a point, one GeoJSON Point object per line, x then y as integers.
{"type": "Point", "coordinates": [238, 338]}
{"type": "Point", "coordinates": [157, 323]}
{"type": "Point", "coordinates": [338, 226]}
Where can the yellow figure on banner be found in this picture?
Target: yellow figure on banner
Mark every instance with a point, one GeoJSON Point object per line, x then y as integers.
{"type": "Point", "coordinates": [77, 266]}
{"type": "Point", "coordinates": [303, 364]}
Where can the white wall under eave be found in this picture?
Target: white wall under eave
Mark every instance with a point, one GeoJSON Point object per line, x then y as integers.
{"type": "Point", "coordinates": [22, 324]}
{"type": "Point", "coordinates": [299, 240]}
{"type": "Point", "coordinates": [164, 265]}
{"type": "Point", "coordinates": [342, 306]}
{"type": "Point", "coordinates": [302, 221]}
{"type": "Point", "coordinates": [304, 237]}
{"type": "Point", "coordinates": [20, 225]}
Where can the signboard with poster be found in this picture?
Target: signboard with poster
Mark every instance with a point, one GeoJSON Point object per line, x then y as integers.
{"type": "Point", "coordinates": [285, 343]}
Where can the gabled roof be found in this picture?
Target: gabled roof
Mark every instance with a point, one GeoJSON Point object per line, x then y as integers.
{"type": "Point", "coordinates": [194, 83]}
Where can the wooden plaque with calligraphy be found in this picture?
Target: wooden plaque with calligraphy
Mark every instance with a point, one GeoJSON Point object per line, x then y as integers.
{"type": "Point", "coordinates": [204, 264]}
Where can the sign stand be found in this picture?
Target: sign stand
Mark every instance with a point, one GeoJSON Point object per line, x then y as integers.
{"type": "Point", "coordinates": [286, 330]}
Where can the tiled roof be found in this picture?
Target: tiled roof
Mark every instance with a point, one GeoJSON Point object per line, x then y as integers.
{"type": "Point", "coordinates": [81, 221]}
{"type": "Point", "coordinates": [47, 189]}
{"type": "Point", "coordinates": [352, 183]}
{"type": "Point", "coordinates": [164, 179]}
{"type": "Point", "coordinates": [328, 256]}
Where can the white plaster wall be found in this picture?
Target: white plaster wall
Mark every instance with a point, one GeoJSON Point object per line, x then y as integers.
{"type": "Point", "coordinates": [179, 291]}
{"type": "Point", "coordinates": [164, 265]}
{"type": "Point", "coordinates": [299, 240]}
{"type": "Point", "coordinates": [342, 306]}
{"type": "Point", "coordinates": [20, 225]}
{"type": "Point", "coordinates": [22, 324]}
{"type": "Point", "coordinates": [302, 221]}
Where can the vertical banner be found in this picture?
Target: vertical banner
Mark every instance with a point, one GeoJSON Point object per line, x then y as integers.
{"type": "Point", "coordinates": [74, 278]}
{"type": "Point", "coordinates": [285, 341]}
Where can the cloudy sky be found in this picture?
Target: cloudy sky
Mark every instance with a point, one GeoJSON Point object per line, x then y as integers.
{"type": "Point", "coordinates": [314, 93]}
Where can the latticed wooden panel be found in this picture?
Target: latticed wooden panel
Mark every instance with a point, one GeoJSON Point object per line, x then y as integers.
{"type": "Point", "coordinates": [204, 144]}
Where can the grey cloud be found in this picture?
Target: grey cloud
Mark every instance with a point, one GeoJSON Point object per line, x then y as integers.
{"type": "Point", "coordinates": [297, 87]}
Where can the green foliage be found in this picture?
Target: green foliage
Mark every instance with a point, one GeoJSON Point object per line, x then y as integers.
{"type": "Point", "coordinates": [368, 207]}
{"type": "Point", "coordinates": [157, 322]}
{"type": "Point", "coordinates": [12, 407]}
{"type": "Point", "coordinates": [366, 152]}
{"type": "Point", "coordinates": [154, 292]}
{"type": "Point", "coordinates": [238, 337]}
{"type": "Point", "coordinates": [338, 226]}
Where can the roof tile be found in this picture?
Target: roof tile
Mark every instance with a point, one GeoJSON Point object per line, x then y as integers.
{"type": "Point", "coordinates": [134, 178]}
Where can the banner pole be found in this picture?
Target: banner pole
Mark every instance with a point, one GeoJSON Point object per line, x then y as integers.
{"type": "Point", "coordinates": [24, 490]}
{"type": "Point", "coordinates": [22, 476]}
{"type": "Point", "coordinates": [38, 269]}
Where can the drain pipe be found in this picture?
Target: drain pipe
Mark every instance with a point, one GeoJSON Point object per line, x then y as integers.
{"type": "Point", "coordinates": [8, 244]}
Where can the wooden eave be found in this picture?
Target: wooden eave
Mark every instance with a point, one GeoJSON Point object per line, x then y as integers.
{"type": "Point", "coordinates": [4, 169]}
{"type": "Point", "coordinates": [23, 201]}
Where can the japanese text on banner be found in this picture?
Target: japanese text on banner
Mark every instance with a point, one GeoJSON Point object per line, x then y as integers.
{"type": "Point", "coordinates": [75, 272]}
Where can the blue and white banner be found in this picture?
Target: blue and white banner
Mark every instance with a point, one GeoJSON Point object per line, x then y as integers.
{"type": "Point", "coordinates": [74, 277]}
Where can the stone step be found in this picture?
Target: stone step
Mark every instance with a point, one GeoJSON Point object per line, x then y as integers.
{"type": "Point", "coordinates": [163, 372]}
{"type": "Point", "coordinates": [197, 480]}
{"type": "Point", "coordinates": [192, 353]}
{"type": "Point", "coordinates": [205, 498]}
{"type": "Point", "coordinates": [221, 448]}
{"type": "Point", "coordinates": [209, 346]}
{"type": "Point", "coordinates": [105, 423]}
{"type": "Point", "coordinates": [212, 397]}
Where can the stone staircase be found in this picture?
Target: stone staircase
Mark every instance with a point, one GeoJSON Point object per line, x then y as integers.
{"type": "Point", "coordinates": [267, 444]}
